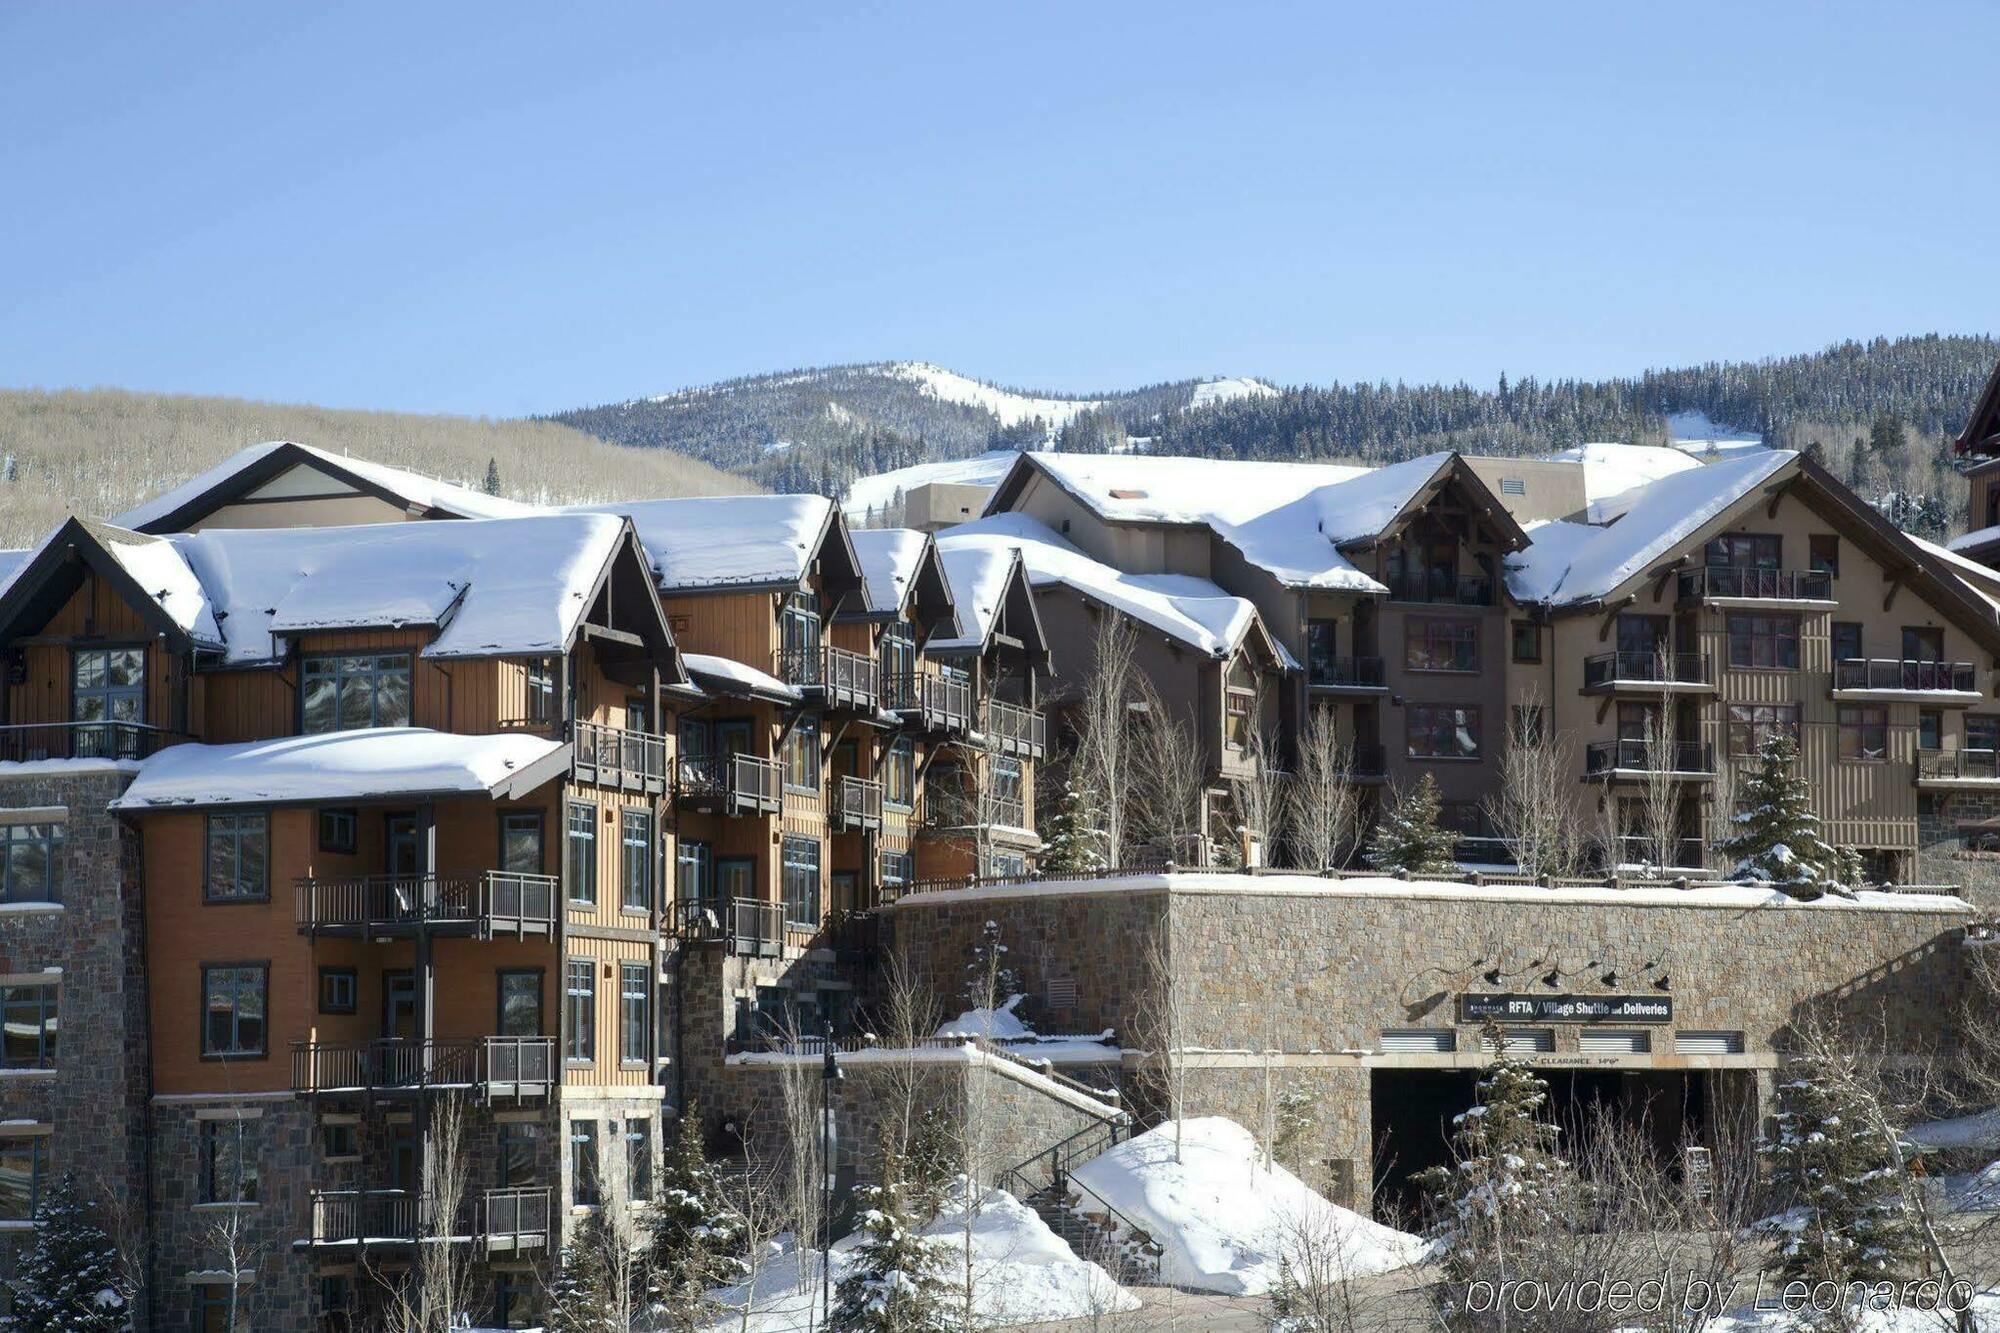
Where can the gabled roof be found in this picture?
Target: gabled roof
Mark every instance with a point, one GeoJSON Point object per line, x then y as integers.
{"type": "Point", "coordinates": [1189, 610]}
{"type": "Point", "coordinates": [246, 470]}
{"type": "Point", "coordinates": [902, 576]}
{"type": "Point", "coordinates": [1982, 429]}
{"type": "Point", "coordinates": [1158, 488]}
{"type": "Point", "coordinates": [741, 542]}
{"type": "Point", "coordinates": [988, 578]}
{"type": "Point", "coordinates": [149, 573]}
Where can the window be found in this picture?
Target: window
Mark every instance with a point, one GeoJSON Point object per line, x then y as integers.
{"type": "Point", "coordinates": [336, 1302]}
{"type": "Point", "coordinates": [899, 773]}
{"type": "Point", "coordinates": [1751, 726]}
{"type": "Point", "coordinates": [1930, 729]}
{"type": "Point", "coordinates": [1823, 555]}
{"type": "Point", "coordinates": [1763, 641]}
{"type": "Point", "coordinates": [28, 1027]}
{"type": "Point", "coordinates": [520, 991]}
{"type": "Point", "coordinates": [798, 627]}
{"type": "Point", "coordinates": [521, 842]}
{"type": "Point", "coordinates": [1982, 731]}
{"type": "Point", "coordinates": [233, 1010]}
{"type": "Point", "coordinates": [636, 838]}
{"type": "Point", "coordinates": [520, 1153]}
{"type": "Point", "coordinates": [586, 1187]}
{"type": "Point", "coordinates": [238, 858]}
{"type": "Point", "coordinates": [1864, 731]}
{"type": "Point", "coordinates": [1009, 804]}
{"type": "Point", "coordinates": [895, 875]}
{"type": "Point", "coordinates": [801, 754]}
{"type": "Point", "coordinates": [1527, 641]}
{"type": "Point", "coordinates": [1531, 723]}
{"type": "Point", "coordinates": [108, 686]}
{"type": "Point", "coordinates": [1437, 644]}
{"type": "Point", "coordinates": [898, 655]}
{"type": "Point", "coordinates": [801, 881]}
{"type": "Point", "coordinates": [338, 831]}
{"type": "Point", "coordinates": [1443, 731]}
{"type": "Point", "coordinates": [228, 1162]}
{"type": "Point", "coordinates": [580, 853]}
{"type": "Point", "coordinates": [541, 687]}
{"type": "Point", "coordinates": [694, 872]}
{"type": "Point", "coordinates": [639, 1159]}
{"type": "Point", "coordinates": [338, 990]}
{"type": "Point", "coordinates": [514, 1299]}
{"type": "Point", "coordinates": [339, 1140]}
{"type": "Point", "coordinates": [1744, 551]}
{"type": "Point", "coordinates": [1239, 704]}
{"type": "Point", "coordinates": [580, 1010]}
{"type": "Point", "coordinates": [1322, 651]}
{"type": "Point", "coordinates": [349, 691]}
{"type": "Point", "coordinates": [32, 871]}
{"type": "Point", "coordinates": [214, 1303]}
{"type": "Point", "coordinates": [635, 1012]}
{"type": "Point", "coordinates": [1923, 644]}
{"type": "Point", "coordinates": [1847, 641]}
{"type": "Point", "coordinates": [24, 1163]}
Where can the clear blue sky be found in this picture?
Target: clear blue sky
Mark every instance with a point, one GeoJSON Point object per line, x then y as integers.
{"type": "Point", "coordinates": [497, 209]}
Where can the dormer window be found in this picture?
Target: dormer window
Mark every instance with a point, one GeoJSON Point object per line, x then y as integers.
{"type": "Point", "coordinates": [108, 689]}
{"type": "Point", "coordinates": [351, 691]}
{"type": "Point", "coordinates": [1239, 704]}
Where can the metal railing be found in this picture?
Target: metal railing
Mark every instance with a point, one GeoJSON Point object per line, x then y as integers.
{"type": "Point", "coordinates": [512, 1066]}
{"type": "Point", "coordinates": [518, 1218]}
{"type": "Point", "coordinates": [1014, 729]}
{"type": "Point", "coordinates": [941, 702]}
{"type": "Point", "coordinates": [1958, 765]}
{"type": "Point", "coordinates": [1348, 672]}
{"type": "Point", "coordinates": [734, 783]}
{"type": "Point", "coordinates": [484, 901]}
{"type": "Point", "coordinates": [857, 803]}
{"type": "Point", "coordinates": [1650, 668]}
{"type": "Point", "coordinates": [30, 741]}
{"type": "Point", "coordinates": [620, 757]}
{"type": "Point", "coordinates": [1633, 849]}
{"type": "Point", "coordinates": [1370, 761]}
{"type": "Point", "coordinates": [1647, 756]}
{"type": "Point", "coordinates": [1050, 1169]}
{"type": "Point", "coordinates": [1443, 587]}
{"type": "Point", "coordinates": [843, 677]}
{"type": "Point", "coordinates": [1781, 585]}
{"type": "Point", "coordinates": [510, 1218]}
{"type": "Point", "coordinates": [749, 926]}
{"type": "Point", "coordinates": [1879, 673]}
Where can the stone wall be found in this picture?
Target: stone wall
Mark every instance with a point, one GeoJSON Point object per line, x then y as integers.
{"type": "Point", "coordinates": [1942, 857]}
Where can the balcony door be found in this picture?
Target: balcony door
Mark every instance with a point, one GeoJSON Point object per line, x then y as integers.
{"type": "Point", "coordinates": [735, 877]}
{"type": "Point", "coordinates": [403, 845]}
{"type": "Point", "coordinates": [108, 687]}
{"type": "Point", "coordinates": [1922, 644]}
{"type": "Point", "coordinates": [399, 1004]}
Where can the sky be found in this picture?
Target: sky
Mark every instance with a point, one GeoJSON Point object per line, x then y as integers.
{"type": "Point", "coordinates": [502, 209]}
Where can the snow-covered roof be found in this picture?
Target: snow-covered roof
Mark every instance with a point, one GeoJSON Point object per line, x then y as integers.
{"type": "Point", "coordinates": [977, 573]}
{"type": "Point", "coordinates": [413, 488]}
{"type": "Point", "coordinates": [502, 587]}
{"type": "Point", "coordinates": [1972, 541]}
{"type": "Point", "coordinates": [889, 561]}
{"type": "Point", "coordinates": [345, 765]}
{"type": "Point", "coordinates": [726, 675]}
{"type": "Point", "coordinates": [1533, 573]}
{"type": "Point", "coordinates": [880, 490]}
{"type": "Point", "coordinates": [716, 541]}
{"type": "Point", "coordinates": [1983, 580]}
{"type": "Point", "coordinates": [1163, 488]}
{"type": "Point", "coordinates": [1613, 472]}
{"type": "Point", "coordinates": [1192, 610]}
{"type": "Point", "coordinates": [162, 573]}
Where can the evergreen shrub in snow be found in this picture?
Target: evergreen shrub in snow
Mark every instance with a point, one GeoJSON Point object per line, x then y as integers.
{"type": "Point", "coordinates": [1409, 838]}
{"type": "Point", "coordinates": [69, 1280]}
{"type": "Point", "coordinates": [1776, 839]}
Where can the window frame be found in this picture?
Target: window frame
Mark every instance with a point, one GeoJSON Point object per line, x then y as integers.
{"type": "Point", "coordinates": [1823, 553]}
{"type": "Point", "coordinates": [37, 1146]}
{"type": "Point", "coordinates": [1461, 644]}
{"type": "Point", "coordinates": [1858, 732]}
{"type": "Point", "coordinates": [1239, 704]}
{"type": "Point", "coordinates": [262, 1051]}
{"type": "Point", "coordinates": [1852, 631]}
{"type": "Point", "coordinates": [107, 692]}
{"type": "Point", "coordinates": [52, 837]}
{"type": "Point", "coordinates": [237, 820]}
{"type": "Point", "coordinates": [47, 1023]}
{"type": "Point", "coordinates": [639, 1170]}
{"type": "Point", "coordinates": [1533, 633]}
{"type": "Point", "coordinates": [579, 1033]}
{"type": "Point", "coordinates": [209, 1157]}
{"type": "Point", "coordinates": [539, 975]}
{"type": "Point", "coordinates": [1762, 627]}
{"type": "Point", "coordinates": [636, 856]}
{"type": "Point", "coordinates": [635, 1014]}
{"type": "Point", "coordinates": [337, 844]}
{"type": "Point", "coordinates": [352, 977]}
{"type": "Point", "coordinates": [1411, 730]}
{"type": "Point", "coordinates": [899, 768]}
{"type": "Point", "coordinates": [579, 877]}
{"type": "Point", "coordinates": [786, 867]}
{"type": "Point", "coordinates": [802, 747]}
{"type": "Point", "coordinates": [539, 677]}
{"type": "Point", "coordinates": [1755, 730]}
{"type": "Point", "coordinates": [311, 666]}
{"type": "Point", "coordinates": [586, 1179]}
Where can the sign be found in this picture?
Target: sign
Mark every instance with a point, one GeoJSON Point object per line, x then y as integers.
{"type": "Point", "coordinates": [1566, 1008]}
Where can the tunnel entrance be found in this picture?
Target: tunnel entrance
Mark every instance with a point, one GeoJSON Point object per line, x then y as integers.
{"type": "Point", "coordinates": [1412, 1112]}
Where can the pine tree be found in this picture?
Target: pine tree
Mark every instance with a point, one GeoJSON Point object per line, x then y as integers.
{"type": "Point", "coordinates": [1293, 1124]}
{"type": "Point", "coordinates": [1777, 838]}
{"type": "Point", "coordinates": [989, 980]}
{"type": "Point", "coordinates": [1408, 837]}
{"type": "Point", "coordinates": [931, 1165]}
{"type": "Point", "coordinates": [580, 1295]}
{"type": "Point", "coordinates": [1849, 1219]}
{"type": "Point", "coordinates": [696, 1236]}
{"type": "Point", "coordinates": [69, 1281]}
{"type": "Point", "coordinates": [1070, 838]}
{"type": "Point", "coordinates": [893, 1283]}
{"type": "Point", "coordinates": [492, 483]}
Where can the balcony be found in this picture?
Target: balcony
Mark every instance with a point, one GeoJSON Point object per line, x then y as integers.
{"type": "Point", "coordinates": [1370, 763]}
{"type": "Point", "coordinates": [83, 740]}
{"type": "Point", "coordinates": [620, 758]}
{"type": "Point", "coordinates": [1639, 759]}
{"type": "Point", "coordinates": [930, 699]}
{"type": "Point", "coordinates": [1353, 674]}
{"type": "Point", "coordinates": [830, 677]}
{"type": "Point", "coordinates": [1443, 588]}
{"type": "Point", "coordinates": [491, 1067]}
{"type": "Point", "coordinates": [498, 1219]}
{"type": "Point", "coordinates": [480, 904]}
{"type": "Point", "coordinates": [1958, 768]}
{"type": "Point", "coordinates": [1015, 730]}
{"type": "Point", "coordinates": [750, 927]}
{"type": "Point", "coordinates": [1724, 584]}
{"type": "Point", "coordinates": [1937, 683]}
{"type": "Point", "coordinates": [964, 811]}
{"type": "Point", "coordinates": [1683, 853]}
{"type": "Point", "coordinates": [855, 804]}
{"type": "Point", "coordinates": [732, 784]}
{"type": "Point", "coordinates": [1647, 673]}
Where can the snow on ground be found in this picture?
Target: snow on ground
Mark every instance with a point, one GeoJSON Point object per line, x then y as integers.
{"type": "Point", "coordinates": [1985, 1312]}
{"type": "Point", "coordinates": [1210, 392]}
{"type": "Point", "coordinates": [1012, 408]}
{"type": "Point", "coordinates": [1022, 1273]}
{"type": "Point", "coordinates": [1003, 1027]}
{"type": "Point", "coordinates": [1694, 433]}
{"type": "Point", "coordinates": [879, 491]}
{"type": "Point", "coordinates": [1967, 1131]}
{"type": "Point", "coordinates": [1224, 1219]}
{"type": "Point", "coordinates": [1612, 471]}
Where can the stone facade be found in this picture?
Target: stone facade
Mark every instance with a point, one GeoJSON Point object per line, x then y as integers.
{"type": "Point", "coordinates": [1943, 854]}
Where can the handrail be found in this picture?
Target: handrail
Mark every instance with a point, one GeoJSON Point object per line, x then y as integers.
{"type": "Point", "coordinates": [1962, 763]}
{"type": "Point", "coordinates": [483, 898]}
{"type": "Point", "coordinates": [738, 777]}
{"type": "Point", "coordinates": [1783, 585]}
{"type": "Point", "coordinates": [1359, 672]}
{"type": "Point", "coordinates": [1012, 724]}
{"type": "Point", "coordinates": [841, 673]}
{"type": "Point", "coordinates": [933, 694]}
{"type": "Point", "coordinates": [1656, 668]}
{"type": "Point", "coordinates": [621, 751]}
{"type": "Point", "coordinates": [1450, 589]}
{"type": "Point", "coordinates": [412, 1064]}
{"type": "Point", "coordinates": [1640, 756]}
{"type": "Point", "coordinates": [348, 1217]}
{"type": "Point", "coordinates": [31, 741]}
{"type": "Point", "coordinates": [857, 801]}
{"type": "Point", "coordinates": [1891, 673]}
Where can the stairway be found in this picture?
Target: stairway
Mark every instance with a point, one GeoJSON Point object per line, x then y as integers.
{"type": "Point", "coordinates": [1132, 1260]}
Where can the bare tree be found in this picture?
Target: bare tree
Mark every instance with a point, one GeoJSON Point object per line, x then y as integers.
{"type": "Point", "coordinates": [441, 1291]}
{"type": "Point", "coordinates": [227, 1237]}
{"type": "Point", "coordinates": [1660, 795]}
{"type": "Point", "coordinates": [1164, 1023]}
{"type": "Point", "coordinates": [804, 1177]}
{"type": "Point", "coordinates": [1325, 806]}
{"type": "Point", "coordinates": [910, 1014]}
{"type": "Point", "coordinates": [1169, 781]}
{"type": "Point", "coordinates": [1535, 810]}
{"type": "Point", "coordinates": [625, 1253]}
{"type": "Point", "coordinates": [1102, 722]}
{"type": "Point", "coordinates": [1262, 799]}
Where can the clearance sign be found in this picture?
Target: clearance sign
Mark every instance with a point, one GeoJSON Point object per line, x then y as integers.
{"type": "Point", "coordinates": [1567, 1008]}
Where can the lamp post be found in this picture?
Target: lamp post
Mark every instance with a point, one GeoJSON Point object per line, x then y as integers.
{"type": "Point", "coordinates": [829, 1075]}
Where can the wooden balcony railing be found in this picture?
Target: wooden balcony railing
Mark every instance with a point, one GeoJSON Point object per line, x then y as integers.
{"type": "Point", "coordinates": [1777, 585]}
{"type": "Point", "coordinates": [1345, 673]}
{"type": "Point", "coordinates": [750, 927]}
{"type": "Point", "coordinates": [731, 784]}
{"type": "Point", "coordinates": [482, 903]}
{"type": "Point", "coordinates": [1601, 757]}
{"type": "Point", "coordinates": [939, 702]}
{"type": "Point", "coordinates": [1904, 675]}
{"type": "Point", "coordinates": [1958, 765]}
{"type": "Point", "coordinates": [32, 741]}
{"type": "Point", "coordinates": [856, 803]}
{"type": "Point", "coordinates": [837, 677]}
{"type": "Point", "coordinates": [1016, 730]}
{"type": "Point", "coordinates": [491, 1066]}
{"type": "Point", "coordinates": [620, 757]}
{"type": "Point", "coordinates": [1646, 668]}
{"type": "Point", "coordinates": [517, 1218]}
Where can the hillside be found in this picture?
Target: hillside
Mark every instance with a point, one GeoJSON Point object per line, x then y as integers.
{"type": "Point", "coordinates": [101, 451]}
